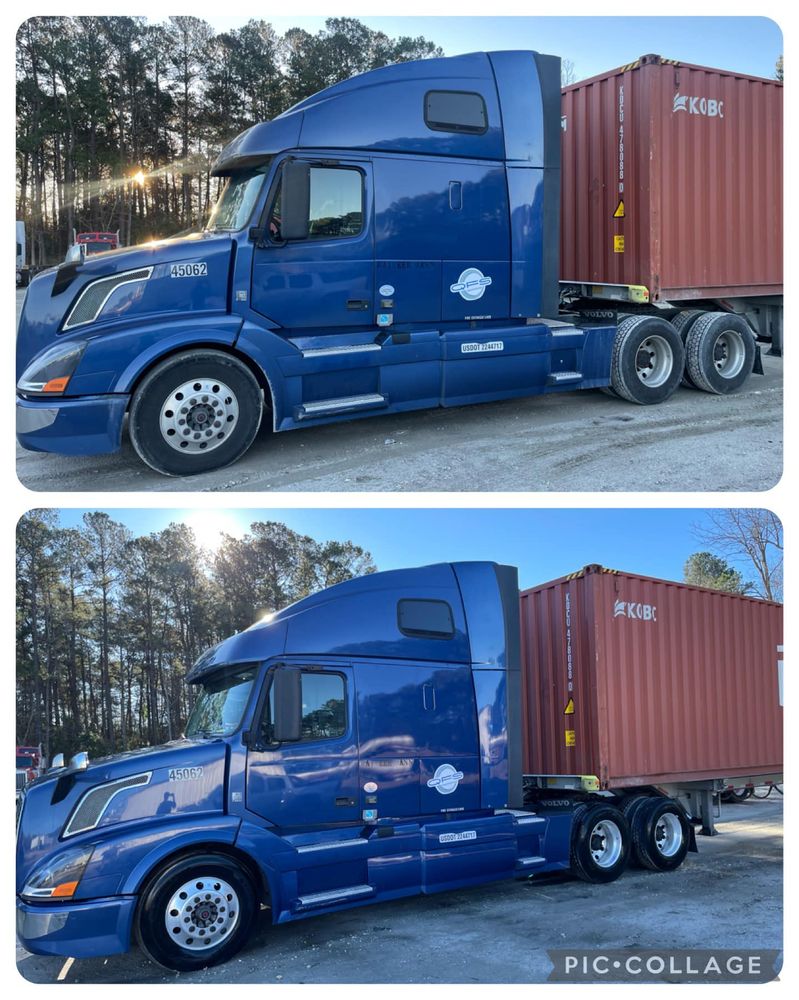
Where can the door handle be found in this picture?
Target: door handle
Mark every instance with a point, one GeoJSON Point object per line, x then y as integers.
{"type": "Point", "coordinates": [343, 801]}
{"type": "Point", "coordinates": [429, 697]}
{"type": "Point", "coordinates": [359, 305]}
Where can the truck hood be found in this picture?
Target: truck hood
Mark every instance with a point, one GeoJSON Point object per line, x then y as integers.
{"type": "Point", "coordinates": [167, 291]}
{"type": "Point", "coordinates": [184, 776]}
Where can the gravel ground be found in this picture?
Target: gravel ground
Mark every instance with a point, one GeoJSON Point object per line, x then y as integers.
{"type": "Point", "coordinates": [727, 896]}
{"type": "Point", "coordinates": [577, 441]}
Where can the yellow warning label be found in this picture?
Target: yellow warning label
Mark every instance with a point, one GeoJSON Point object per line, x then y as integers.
{"type": "Point", "coordinates": [570, 740]}
{"type": "Point", "coordinates": [569, 709]}
{"type": "Point", "coordinates": [618, 244]}
{"type": "Point", "coordinates": [619, 213]}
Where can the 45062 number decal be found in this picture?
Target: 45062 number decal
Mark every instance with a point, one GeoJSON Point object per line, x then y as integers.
{"type": "Point", "coordinates": [185, 773]}
{"type": "Point", "coordinates": [188, 270]}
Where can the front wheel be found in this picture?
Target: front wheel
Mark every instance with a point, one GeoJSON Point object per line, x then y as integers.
{"type": "Point", "coordinates": [647, 361]}
{"type": "Point", "coordinates": [196, 411]}
{"type": "Point", "coordinates": [600, 846]}
{"type": "Point", "coordinates": [197, 912]}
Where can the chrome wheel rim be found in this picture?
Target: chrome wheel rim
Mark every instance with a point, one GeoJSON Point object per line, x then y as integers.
{"type": "Point", "coordinates": [729, 353]}
{"type": "Point", "coordinates": [199, 416]}
{"type": "Point", "coordinates": [668, 834]}
{"type": "Point", "coordinates": [654, 361]}
{"type": "Point", "coordinates": [202, 913]}
{"type": "Point", "coordinates": [606, 843]}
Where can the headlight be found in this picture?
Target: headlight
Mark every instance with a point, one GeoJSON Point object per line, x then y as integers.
{"type": "Point", "coordinates": [58, 878]}
{"type": "Point", "coordinates": [50, 372]}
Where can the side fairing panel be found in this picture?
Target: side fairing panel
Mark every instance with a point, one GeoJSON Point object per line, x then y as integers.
{"type": "Point", "coordinates": [413, 719]}
{"type": "Point", "coordinates": [434, 219]}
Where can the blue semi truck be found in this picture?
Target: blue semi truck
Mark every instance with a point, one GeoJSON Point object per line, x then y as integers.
{"type": "Point", "coordinates": [388, 244]}
{"type": "Point", "coordinates": [361, 745]}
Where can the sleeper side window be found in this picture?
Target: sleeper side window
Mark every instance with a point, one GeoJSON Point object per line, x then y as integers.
{"type": "Point", "coordinates": [455, 111]}
{"type": "Point", "coordinates": [425, 619]}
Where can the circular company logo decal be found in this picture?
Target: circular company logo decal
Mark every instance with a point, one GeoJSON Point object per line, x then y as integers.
{"type": "Point", "coordinates": [446, 779]}
{"type": "Point", "coordinates": [471, 284]}
{"type": "Point", "coordinates": [386, 290]}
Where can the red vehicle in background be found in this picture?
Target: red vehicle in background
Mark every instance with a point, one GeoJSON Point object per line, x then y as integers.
{"type": "Point", "coordinates": [96, 242]}
{"type": "Point", "coordinates": [29, 766]}
{"type": "Point", "coordinates": [35, 752]}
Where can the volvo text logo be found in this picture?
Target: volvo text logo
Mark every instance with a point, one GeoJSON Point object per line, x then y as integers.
{"type": "Point", "coordinates": [635, 610]}
{"type": "Point", "coordinates": [471, 284]}
{"type": "Point", "coordinates": [706, 106]}
{"type": "Point", "coordinates": [446, 779]}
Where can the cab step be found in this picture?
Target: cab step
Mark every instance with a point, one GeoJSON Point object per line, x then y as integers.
{"type": "Point", "coordinates": [344, 404]}
{"type": "Point", "coordinates": [564, 378]}
{"type": "Point", "coordinates": [522, 864]}
{"type": "Point", "coordinates": [331, 896]}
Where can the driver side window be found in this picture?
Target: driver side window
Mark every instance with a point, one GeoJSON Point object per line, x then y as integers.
{"type": "Point", "coordinates": [336, 204]}
{"type": "Point", "coordinates": [324, 708]}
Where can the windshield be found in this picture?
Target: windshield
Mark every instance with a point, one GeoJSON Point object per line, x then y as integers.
{"type": "Point", "coordinates": [220, 706]}
{"type": "Point", "coordinates": [237, 200]}
{"type": "Point", "coordinates": [25, 762]}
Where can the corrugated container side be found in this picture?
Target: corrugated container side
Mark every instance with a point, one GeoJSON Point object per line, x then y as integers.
{"type": "Point", "coordinates": [696, 156]}
{"type": "Point", "coordinates": [670, 682]}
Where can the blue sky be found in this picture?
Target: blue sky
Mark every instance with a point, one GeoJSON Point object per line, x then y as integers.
{"type": "Point", "coordinates": [594, 44]}
{"type": "Point", "coordinates": [544, 544]}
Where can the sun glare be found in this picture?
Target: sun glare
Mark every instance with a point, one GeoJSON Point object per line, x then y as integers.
{"type": "Point", "coordinates": [209, 527]}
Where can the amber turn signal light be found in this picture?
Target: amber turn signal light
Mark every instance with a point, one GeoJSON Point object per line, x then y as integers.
{"type": "Point", "coordinates": [56, 385]}
{"type": "Point", "coordinates": [65, 889]}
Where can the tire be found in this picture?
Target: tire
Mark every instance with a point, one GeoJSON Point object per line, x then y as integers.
{"type": "Point", "coordinates": [682, 323]}
{"type": "Point", "coordinates": [647, 361]}
{"type": "Point", "coordinates": [719, 352]}
{"type": "Point", "coordinates": [600, 847]}
{"type": "Point", "coordinates": [661, 835]}
{"type": "Point", "coordinates": [164, 918]}
{"type": "Point", "coordinates": [631, 805]}
{"type": "Point", "coordinates": [229, 396]}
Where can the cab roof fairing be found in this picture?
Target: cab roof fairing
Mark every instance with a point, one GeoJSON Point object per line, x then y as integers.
{"type": "Point", "coordinates": [359, 618]}
{"type": "Point", "coordinates": [383, 110]}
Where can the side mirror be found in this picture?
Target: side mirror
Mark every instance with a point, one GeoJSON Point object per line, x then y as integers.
{"type": "Point", "coordinates": [288, 704]}
{"type": "Point", "coordinates": [75, 254]}
{"type": "Point", "coordinates": [295, 200]}
{"type": "Point", "coordinates": [57, 762]}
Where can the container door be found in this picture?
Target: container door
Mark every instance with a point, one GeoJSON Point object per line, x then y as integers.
{"type": "Point", "coordinates": [325, 281]}
{"type": "Point", "coordinates": [310, 783]}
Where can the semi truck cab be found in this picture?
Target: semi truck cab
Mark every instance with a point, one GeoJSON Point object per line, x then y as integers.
{"type": "Point", "coordinates": [388, 244]}
{"type": "Point", "coordinates": [361, 745]}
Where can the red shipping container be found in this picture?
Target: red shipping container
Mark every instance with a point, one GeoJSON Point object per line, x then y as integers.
{"type": "Point", "coordinates": [672, 179]}
{"type": "Point", "coordinates": [641, 681]}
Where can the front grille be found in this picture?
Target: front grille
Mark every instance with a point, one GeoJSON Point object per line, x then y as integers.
{"type": "Point", "coordinates": [22, 779]}
{"type": "Point", "coordinates": [95, 295]}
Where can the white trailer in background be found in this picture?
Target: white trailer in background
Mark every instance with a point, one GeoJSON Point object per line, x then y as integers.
{"type": "Point", "coordinates": [23, 271]}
